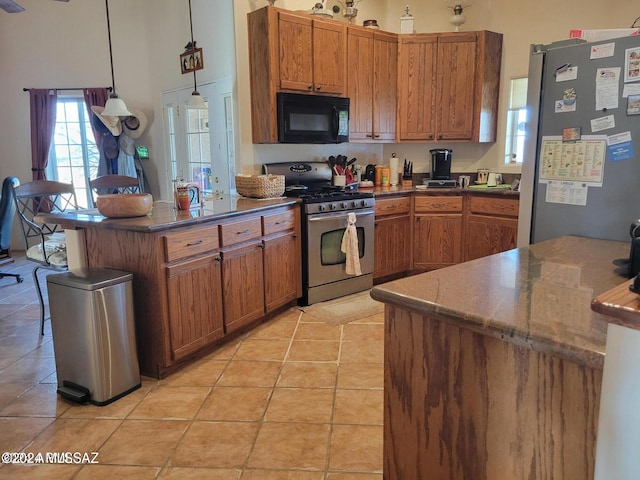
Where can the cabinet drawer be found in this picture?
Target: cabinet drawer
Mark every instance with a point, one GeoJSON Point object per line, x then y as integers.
{"type": "Point", "coordinates": [241, 231]}
{"type": "Point", "coordinates": [507, 207]}
{"type": "Point", "coordinates": [279, 222]}
{"type": "Point", "coordinates": [437, 204]}
{"type": "Point", "coordinates": [393, 206]}
{"type": "Point", "coordinates": [191, 242]}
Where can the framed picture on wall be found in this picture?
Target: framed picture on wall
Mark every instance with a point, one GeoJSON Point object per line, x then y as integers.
{"type": "Point", "coordinates": [191, 60]}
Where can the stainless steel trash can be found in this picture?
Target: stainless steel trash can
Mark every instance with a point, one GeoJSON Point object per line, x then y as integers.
{"type": "Point", "coordinates": [94, 342]}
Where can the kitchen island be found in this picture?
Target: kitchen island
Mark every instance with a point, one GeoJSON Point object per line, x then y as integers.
{"type": "Point", "coordinates": [493, 367]}
{"type": "Point", "coordinates": [200, 276]}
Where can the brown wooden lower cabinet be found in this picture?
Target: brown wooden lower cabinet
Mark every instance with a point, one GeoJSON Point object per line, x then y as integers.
{"type": "Point", "coordinates": [392, 236]}
{"type": "Point", "coordinates": [437, 231]}
{"type": "Point", "coordinates": [194, 285]}
{"type": "Point", "coordinates": [282, 272]}
{"type": "Point", "coordinates": [491, 225]}
{"type": "Point", "coordinates": [242, 285]}
{"type": "Point", "coordinates": [441, 230]}
{"type": "Point", "coordinates": [195, 305]}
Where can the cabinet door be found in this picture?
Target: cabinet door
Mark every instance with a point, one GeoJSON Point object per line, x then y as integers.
{"type": "Point", "coordinates": [195, 305]}
{"type": "Point", "coordinates": [295, 47]}
{"type": "Point", "coordinates": [456, 86]}
{"type": "Point", "coordinates": [243, 285]}
{"type": "Point", "coordinates": [393, 246]}
{"type": "Point", "coordinates": [282, 270]}
{"type": "Point", "coordinates": [437, 240]}
{"type": "Point", "coordinates": [329, 57]}
{"type": "Point", "coordinates": [385, 81]}
{"type": "Point", "coordinates": [416, 86]}
{"type": "Point", "coordinates": [489, 235]}
{"type": "Point", "coordinates": [360, 83]}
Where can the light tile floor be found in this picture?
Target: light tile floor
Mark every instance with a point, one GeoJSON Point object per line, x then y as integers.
{"type": "Point", "coordinates": [294, 399]}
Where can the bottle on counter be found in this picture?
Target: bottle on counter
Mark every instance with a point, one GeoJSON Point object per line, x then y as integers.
{"type": "Point", "coordinates": [386, 174]}
{"type": "Point", "coordinates": [378, 181]}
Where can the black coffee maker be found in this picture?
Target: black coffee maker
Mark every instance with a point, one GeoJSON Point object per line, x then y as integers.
{"type": "Point", "coordinates": [441, 163]}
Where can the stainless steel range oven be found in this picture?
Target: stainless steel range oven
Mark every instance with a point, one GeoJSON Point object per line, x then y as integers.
{"type": "Point", "coordinates": [325, 210]}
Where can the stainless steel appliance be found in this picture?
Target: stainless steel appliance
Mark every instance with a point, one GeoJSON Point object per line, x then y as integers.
{"type": "Point", "coordinates": [312, 118]}
{"type": "Point", "coordinates": [93, 331]}
{"type": "Point", "coordinates": [580, 165]}
{"type": "Point", "coordinates": [324, 220]}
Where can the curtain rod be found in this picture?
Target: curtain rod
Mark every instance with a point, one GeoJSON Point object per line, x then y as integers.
{"type": "Point", "coordinates": [25, 89]}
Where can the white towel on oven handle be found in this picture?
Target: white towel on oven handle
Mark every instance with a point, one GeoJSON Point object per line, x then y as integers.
{"type": "Point", "coordinates": [350, 246]}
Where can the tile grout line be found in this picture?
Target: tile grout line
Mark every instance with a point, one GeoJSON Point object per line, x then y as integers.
{"type": "Point", "coordinates": [167, 463]}
{"type": "Point", "coordinates": [261, 421]}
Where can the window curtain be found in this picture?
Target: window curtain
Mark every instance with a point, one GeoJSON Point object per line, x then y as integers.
{"type": "Point", "coordinates": [96, 97]}
{"type": "Point", "coordinates": [43, 123]}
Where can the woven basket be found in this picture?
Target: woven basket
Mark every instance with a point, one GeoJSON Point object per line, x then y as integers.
{"type": "Point", "coordinates": [260, 186]}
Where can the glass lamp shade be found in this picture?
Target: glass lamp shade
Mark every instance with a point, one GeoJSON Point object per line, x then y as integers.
{"type": "Point", "coordinates": [457, 20]}
{"type": "Point", "coordinates": [115, 107]}
{"type": "Point", "coordinates": [196, 101]}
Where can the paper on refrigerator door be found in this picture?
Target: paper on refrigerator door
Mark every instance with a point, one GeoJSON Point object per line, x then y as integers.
{"type": "Point", "coordinates": [607, 87]}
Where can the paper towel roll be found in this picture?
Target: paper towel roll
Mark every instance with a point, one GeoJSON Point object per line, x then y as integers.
{"type": "Point", "coordinates": [394, 166]}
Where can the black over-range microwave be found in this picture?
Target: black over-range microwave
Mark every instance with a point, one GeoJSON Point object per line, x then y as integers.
{"type": "Point", "coordinates": [312, 118]}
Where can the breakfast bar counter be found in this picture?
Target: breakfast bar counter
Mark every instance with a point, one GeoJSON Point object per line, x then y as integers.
{"type": "Point", "coordinates": [201, 276]}
{"type": "Point", "coordinates": [164, 216]}
{"type": "Point", "coordinates": [493, 367]}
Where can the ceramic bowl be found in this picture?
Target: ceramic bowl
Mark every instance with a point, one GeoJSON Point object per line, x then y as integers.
{"type": "Point", "coordinates": [124, 204]}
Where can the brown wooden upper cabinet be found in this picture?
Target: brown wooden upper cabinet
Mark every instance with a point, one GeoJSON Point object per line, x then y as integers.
{"type": "Point", "coordinates": [448, 86]}
{"type": "Point", "coordinates": [291, 52]}
{"type": "Point", "coordinates": [372, 63]}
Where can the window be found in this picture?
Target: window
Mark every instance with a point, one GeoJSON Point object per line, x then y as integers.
{"type": "Point", "coordinates": [199, 148]}
{"type": "Point", "coordinates": [516, 121]}
{"type": "Point", "coordinates": [200, 143]}
{"type": "Point", "coordinates": [74, 156]}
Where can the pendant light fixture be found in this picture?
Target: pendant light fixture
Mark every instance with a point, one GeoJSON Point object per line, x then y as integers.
{"type": "Point", "coordinates": [196, 101]}
{"type": "Point", "coordinates": [115, 106]}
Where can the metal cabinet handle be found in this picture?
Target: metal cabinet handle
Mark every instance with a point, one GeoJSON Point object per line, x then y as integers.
{"type": "Point", "coordinates": [310, 87]}
{"type": "Point", "coordinates": [318, 87]}
{"type": "Point", "coordinates": [193, 244]}
{"type": "Point", "coordinates": [218, 259]}
{"type": "Point", "coordinates": [369, 135]}
{"type": "Point", "coordinates": [261, 245]}
{"type": "Point", "coordinates": [295, 235]}
{"type": "Point", "coordinates": [242, 232]}
{"type": "Point", "coordinates": [376, 136]}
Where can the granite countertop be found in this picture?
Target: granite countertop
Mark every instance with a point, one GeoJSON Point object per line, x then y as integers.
{"type": "Point", "coordinates": [164, 216]}
{"type": "Point", "coordinates": [399, 189]}
{"type": "Point", "coordinates": [537, 296]}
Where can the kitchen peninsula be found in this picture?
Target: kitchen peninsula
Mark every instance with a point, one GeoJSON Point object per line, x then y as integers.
{"type": "Point", "coordinates": [493, 368]}
{"type": "Point", "coordinates": [198, 275]}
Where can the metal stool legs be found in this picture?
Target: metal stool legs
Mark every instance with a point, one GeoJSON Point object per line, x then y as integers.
{"type": "Point", "coordinates": [39, 290]}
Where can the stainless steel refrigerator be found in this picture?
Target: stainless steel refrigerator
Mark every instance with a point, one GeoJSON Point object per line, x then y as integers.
{"type": "Point", "coordinates": [581, 169]}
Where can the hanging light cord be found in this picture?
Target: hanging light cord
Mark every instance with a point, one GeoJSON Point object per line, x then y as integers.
{"type": "Point", "coordinates": [113, 81]}
{"type": "Point", "coordinates": [193, 53]}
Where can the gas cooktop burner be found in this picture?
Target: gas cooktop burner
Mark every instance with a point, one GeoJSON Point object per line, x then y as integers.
{"type": "Point", "coordinates": [323, 196]}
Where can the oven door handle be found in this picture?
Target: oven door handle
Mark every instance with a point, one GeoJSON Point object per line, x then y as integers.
{"type": "Point", "coordinates": [332, 216]}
